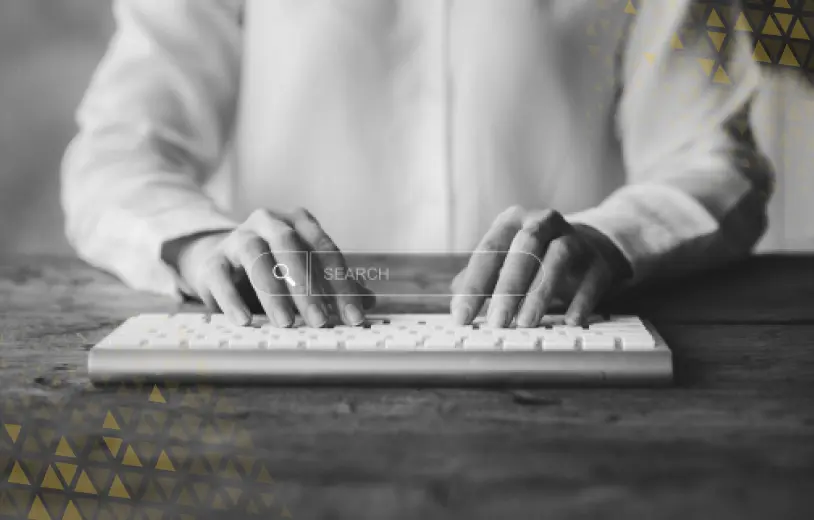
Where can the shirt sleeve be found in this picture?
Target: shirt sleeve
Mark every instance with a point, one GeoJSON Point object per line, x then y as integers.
{"type": "Point", "coordinates": [698, 188]}
{"type": "Point", "coordinates": [153, 127]}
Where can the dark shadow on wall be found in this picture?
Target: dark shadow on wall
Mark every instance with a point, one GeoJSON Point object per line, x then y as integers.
{"type": "Point", "coordinates": [48, 50]}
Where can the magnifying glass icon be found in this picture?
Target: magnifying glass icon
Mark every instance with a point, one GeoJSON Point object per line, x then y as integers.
{"type": "Point", "coordinates": [281, 272]}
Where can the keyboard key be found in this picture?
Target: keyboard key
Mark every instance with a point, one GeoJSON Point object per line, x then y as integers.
{"type": "Point", "coordinates": [440, 342]}
{"type": "Point", "coordinates": [638, 342]}
{"type": "Point", "coordinates": [519, 343]}
{"type": "Point", "coordinates": [598, 342]}
{"type": "Point", "coordinates": [558, 342]}
{"type": "Point", "coordinates": [481, 342]}
{"type": "Point", "coordinates": [363, 342]}
{"type": "Point", "coordinates": [401, 342]}
{"type": "Point", "coordinates": [322, 342]}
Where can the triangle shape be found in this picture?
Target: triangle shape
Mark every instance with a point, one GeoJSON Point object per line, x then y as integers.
{"type": "Point", "coordinates": [742, 24]}
{"type": "Point", "coordinates": [263, 475]}
{"type": "Point", "coordinates": [87, 507]}
{"type": "Point", "coordinates": [800, 48]}
{"type": "Point", "coordinates": [126, 414]}
{"type": "Point", "coordinates": [774, 48]}
{"type": "Point", "coordinates": [799, 32]}
{"type": "Point", "coordinates": [100, 477]}
{"type": "Point", "coordinates": [117, 489]}
{"type": "Point", "coordinates": [760, 53]}
{"type": "Point", "coordinates": [13, 431]}
{"type": "Point", "coordinates": [18, 476]}
{"type": "Point", "coordinates": [46, 435]}
{"type": "Point", "coordinates": [629, 8]}
{"type": "Point", "coordinates": [788, 58]}
{"type": "Point", "coordinates": [202, 490]}
{"type": "Point", "coordinates": [156, 397]}
{"type": "Point", "coordinates": [185, 498]}
{"type": "Point", "coordinates": [6, 505]}
{"type": "Point", "coordinates": [268, 499]}
{"type": "Point", "coordinates": [113, 444]}
{"type": "Point", "coordinates": [146, 450]}
{"type": "Point", "coordinates": [782, 4]}
{"type": "Point", "coordinates": [84, 485]}
{"type": "Point", "coordinates": [218, 503]}
{"type": "Point", "coordinates": [132, 482]}
{"type": "Point", "coordinates": [110, 422]}
{"type": "Point", "coordinates": [717, 39]}
{"type": "Point", "coordinates": [784, 19]}
{"type": "Point", "coordinates": [71, 512]}
{"type": "Point", "coordinates": [67, 471]}
{"type": "Point", "coordinates": [164, 463]}
{"type": "Point", "coordinates": [285, 513]}
{"type": "Point", "coordinates": [167, 486]}
{"type": "Point", "coordinates": [771, 28]}
{"type": "Point", "coordinates": [30, 445]}
{"type": "Point", "coordinates": [721, 76]}
{"type": "Point", "coordinates": [714, 20]}
{"type": "Point", "coordinates": [153, 514]}
{"type": "Point", "coordinates": [153, 493]}
{"type": "Point", "coordinates": [198, 467]}
{"type": "Point", "coordinates": [121, 510]}
{"type": "Point", "coordinates": [130, 458]}
{"type": "Point", "coordinates": [707, 65]}
{"type": "Point", "coordinates": [243, 439]}
{"type": "Point", "coordinates": [234, 494]}
{"type": "Point", "coordinates": [676, 42]}
{"type": "Point", "coordinates": [38, 511]}
{"type": "Point", "coordinates": [230, 470]}
{"type": "Point", "coordinates": [51, 480]}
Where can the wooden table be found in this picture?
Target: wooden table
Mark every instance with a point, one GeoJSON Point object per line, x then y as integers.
{"type": "Point", "coordinates": [733, 439]}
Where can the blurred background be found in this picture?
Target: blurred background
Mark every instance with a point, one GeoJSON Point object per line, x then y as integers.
{"type": "Point", "coordinates": [49, 48]}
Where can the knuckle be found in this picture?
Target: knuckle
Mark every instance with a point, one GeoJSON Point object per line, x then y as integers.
{"type": "Point", "coordinates": [258, 215]}
{"type": "Point", "coordinates": [539, 222]}
{"type": "Point", "coordinates": [284, 232]}
{"type": "Point", "coordinates": [215, 265]}
{"type": "Point", "coordinates": [512, 215]}
{"type": "Point", "coordinates": [301, 214]}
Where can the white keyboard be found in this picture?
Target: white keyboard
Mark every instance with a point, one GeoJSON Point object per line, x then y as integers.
{"type": "Point", "coordinates": [406, 348]}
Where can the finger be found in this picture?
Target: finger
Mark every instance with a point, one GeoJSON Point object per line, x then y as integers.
{"type": "Point", "coordinates": [248, 250]}
{"type": "Point", "coordinates": [481, 273]}
{"type": "Point", "coordinates": [368, 298]}
{"type": "Point", "coordinates": [288, 249]}
{"type": "Point", "coordinates": [522, 264]}
{"type": "Point", "coordinates": [593, 287]}
{"type": "Point", "coordinates": [457, 283]}
{"type": "Point", "coordinates": [220, 284]}
{"type": "Point", "coordinates": [343, 293]}
{"type": "Point", "coordinates": [559, 258]}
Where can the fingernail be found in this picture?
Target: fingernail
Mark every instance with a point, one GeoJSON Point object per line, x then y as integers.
{"type": "Point", "coordinates": [239, 317]}
{"type": "Point", "coordinates": [498, 317]}
{"type": "Point", "coordinates": [282, 319]}
{"type": "Point", "coordinates": [316, 317]}
{"type": "Point", "coordinates": [353, 315]}
{"type": "Point", "coordinates": [460, 314]}
{"type": "Point", "coordinates": [573, 320]}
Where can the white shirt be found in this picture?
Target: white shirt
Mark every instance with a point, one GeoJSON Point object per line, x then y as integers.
{"type": "Point", "coordinates": [408, 125]}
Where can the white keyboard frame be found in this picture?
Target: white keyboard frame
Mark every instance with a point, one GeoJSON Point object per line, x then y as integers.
{"type": "Point", "coordinates": [111, 363]}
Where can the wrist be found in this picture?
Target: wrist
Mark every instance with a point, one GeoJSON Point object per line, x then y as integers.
{"type": "Point", "coordinates": [605, 247]}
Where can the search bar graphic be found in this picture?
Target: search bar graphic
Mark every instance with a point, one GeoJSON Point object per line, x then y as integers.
{"type": "Point", "coordinates": [412, 275]}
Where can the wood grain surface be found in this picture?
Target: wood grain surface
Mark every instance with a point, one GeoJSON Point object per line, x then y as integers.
{"type": "Point", "coordinates": [733, 439]}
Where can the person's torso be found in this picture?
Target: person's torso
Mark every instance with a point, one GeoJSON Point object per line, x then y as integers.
{"type": "Point", "coordinates": [410, 124]}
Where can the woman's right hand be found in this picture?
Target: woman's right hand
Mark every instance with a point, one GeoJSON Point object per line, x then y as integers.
{"type": "Point", "coordinates": [211, 265]}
